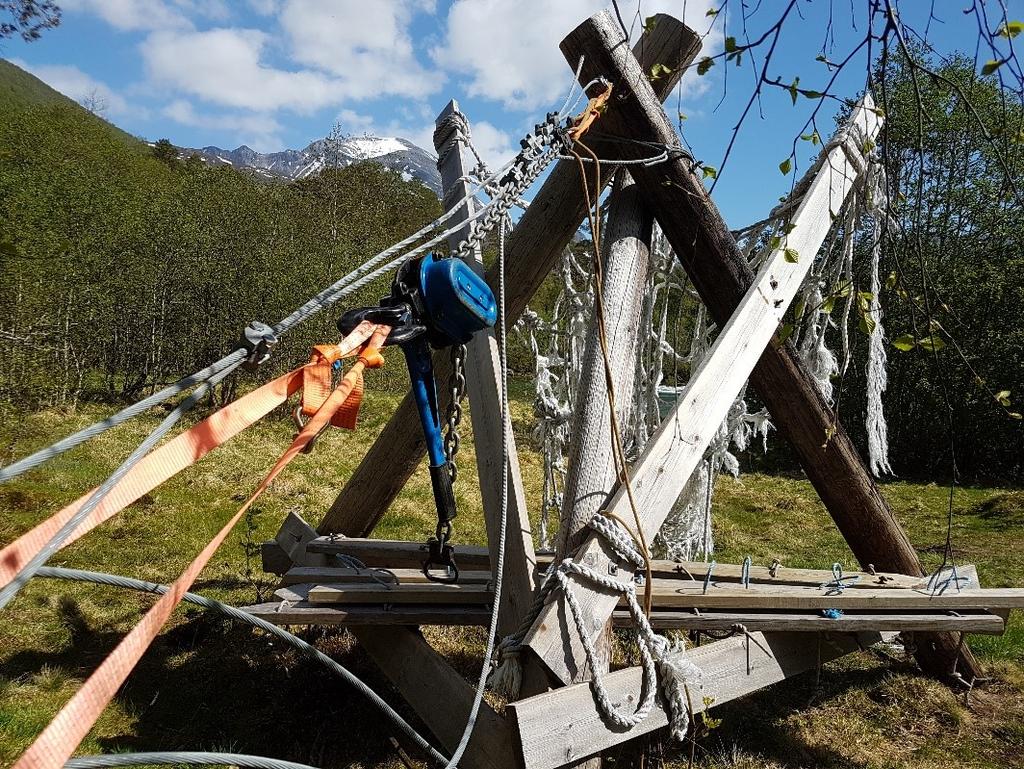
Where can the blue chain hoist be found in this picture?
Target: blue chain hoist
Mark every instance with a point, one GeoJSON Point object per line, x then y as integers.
{"type": "Point", "coordinates": [438, 303]}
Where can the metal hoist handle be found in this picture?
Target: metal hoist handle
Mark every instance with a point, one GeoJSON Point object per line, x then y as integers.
{"type": "Point", "coordinates": [434, 303]}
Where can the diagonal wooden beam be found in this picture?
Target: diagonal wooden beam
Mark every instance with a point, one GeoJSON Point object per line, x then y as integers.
{"type": "Point", "coordinates": [565, 725]}
{"type": "Point", "coordinates": [439, 695]}
{"type": "Point", "coordinates": [671, 456]}
{"type": "Point", "coordinates": [534, 246]}
{"type": "Point", "coordinates": [722, 277]}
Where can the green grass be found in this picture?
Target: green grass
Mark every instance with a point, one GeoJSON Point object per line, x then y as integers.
{"type": "Point", "coordinates": [206, 684]}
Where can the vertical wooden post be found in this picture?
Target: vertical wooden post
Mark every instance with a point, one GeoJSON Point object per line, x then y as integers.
{"type": "Point", "coordinates": [533, 248]}
{"type": "Point", "coordinates": [591, 476]}
{"type": "Point", "coordinates": [483, 386]}
{"type": "Point", "coordinates": [721, 275]}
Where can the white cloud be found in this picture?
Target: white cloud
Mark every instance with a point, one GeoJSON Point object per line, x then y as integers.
{"type": "Point", "coordinates": [508, 52]}
{"type": "Point", "coordinates": [494, 145]}
{"type": "Point", "coordinates": [133, 14]}
{"type": "Point", "coordinates": [264, 7]}
{"type": "Point", "coordinates": [74, 83]}
{"type": "Point", "coordinates": [259, 131]}
{"type": "Point", "coordinates": [365, 46]}
{"type": "Point", "coordinates": [224, 67]}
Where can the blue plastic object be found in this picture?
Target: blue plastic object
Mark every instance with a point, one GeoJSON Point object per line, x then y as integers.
{"type": "Point", "coordinates": [458, 301]}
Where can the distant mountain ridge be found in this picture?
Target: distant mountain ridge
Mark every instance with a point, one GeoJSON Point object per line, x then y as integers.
{"type": "Point", "coordinates": [395, 153]}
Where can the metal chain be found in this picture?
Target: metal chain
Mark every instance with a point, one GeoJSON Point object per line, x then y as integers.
{"type": "Point", "coordinates": [454, 417]}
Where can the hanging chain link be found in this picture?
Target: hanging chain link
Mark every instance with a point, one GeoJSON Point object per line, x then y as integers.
{"type": "Point", "coordinates": [454, 416]}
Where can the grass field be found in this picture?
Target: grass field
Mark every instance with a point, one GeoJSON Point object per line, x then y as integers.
{"type": "Point", "coordinates": [206, 684]}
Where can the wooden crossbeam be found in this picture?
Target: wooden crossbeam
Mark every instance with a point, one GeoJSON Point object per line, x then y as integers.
{"type": "Point", "coordinates": [721, 275]}
{"type": "Point", "coordinates": [669, 458]}
{"type": "Point", "coordinates": [533, 247]}
{"type": "Point", "coordinates": [564, 725]}
{"type": "Point", "coordinates": [302, 612]}
{"type": "Point", "coordinates": [300, 575]}
{"type": "Point", "coordinates": [396, 553]}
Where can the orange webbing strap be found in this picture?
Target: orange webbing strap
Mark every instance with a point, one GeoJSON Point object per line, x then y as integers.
{"type": "Point", "coordinates": [317, 384]}
{"type": "Point", "coordinates": [61, 737]}
{"type": "Point", "coordinates": [165, 462]}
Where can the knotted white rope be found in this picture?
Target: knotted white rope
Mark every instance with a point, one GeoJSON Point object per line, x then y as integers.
{"type": "Point", "coordinates": [664, 664]}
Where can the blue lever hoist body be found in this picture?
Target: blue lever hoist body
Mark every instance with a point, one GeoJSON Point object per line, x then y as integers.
{"type": "Point", "coordinates": [434, 303]}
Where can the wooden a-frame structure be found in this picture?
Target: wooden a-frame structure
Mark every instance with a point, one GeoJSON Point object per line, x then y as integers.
{"type": "Point", "coordinates": [560, 724]}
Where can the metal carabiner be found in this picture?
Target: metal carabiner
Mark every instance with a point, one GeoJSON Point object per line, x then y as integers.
{"type": "Point", "coordinates": [440, 552]}
{"type": "Point", "coordinates": [300, 424]}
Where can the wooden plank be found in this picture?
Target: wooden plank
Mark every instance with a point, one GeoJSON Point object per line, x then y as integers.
{"type": "Point", "coordinates": [430, 592]}
{"type": "Point", "coordinates": [757, 598]}
{"type": "Point", "coordinates": [439, 695]}
{"type": "Point", "coordinates": [564, 725]}
{"type": "Point", "coordinates": [299, 575]}
{"type": "Point", "coordinates": [483, 387]}
{"type": "Point", "coordinates": [533, 247]}
{"type": "Point", "coordinates": [305, 613]}
{"type": "Point", "coordinates": [670, 457]}
{"type": "Point", "coordinates": [295, 610]}
{"type": "Point", "coordinates": [983, 622]}
{"type": "Point", "coordinates": [397, 554]}
{"type": "Point", "coordinates": [721, 275]}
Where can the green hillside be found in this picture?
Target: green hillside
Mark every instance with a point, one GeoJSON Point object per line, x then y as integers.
{"type": "Point", "coordinates": [21, 90]}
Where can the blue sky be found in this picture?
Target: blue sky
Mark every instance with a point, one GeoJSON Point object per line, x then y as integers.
{"type": "Point", "coordinates": [280, 73]}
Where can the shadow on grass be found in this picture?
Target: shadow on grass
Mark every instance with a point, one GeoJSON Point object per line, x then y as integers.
{"type": "Point", "coordinates": [208, 684]}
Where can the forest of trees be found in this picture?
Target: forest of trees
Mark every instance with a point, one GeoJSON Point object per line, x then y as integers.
{"type": "Point", "coordinates": [122, 268]}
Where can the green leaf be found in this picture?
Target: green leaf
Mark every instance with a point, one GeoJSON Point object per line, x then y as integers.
{"type": "Point", "coordinates": [1010, 29]}
{"type": "Point", "coordinates": [799, 307]}
{"type": "Point", "coordinates": [774, 242]}
{"type": "Point", "coordinates": [1003, 397]}
{"type": "Point", "coordinates": [650, 23]}
{"type": "Point", "coordinates": [931, 343]}
{"type": "Point", "coordinates": [710, 172]}
{"type": "Point", "coordinates": [712, 12]}
{"type": "Point", "coordinates": [704, 65]}
{"type": "Point", "coordinates": [867, 323]}
{"type": "Point", "coordinates": [813, 137]}
{"type": "Point", "coordinates": [821, 57]}
{"type": "Point", "coordinates": [785, 166]}
{"type": "Point", "coordinates": [991, 66]}
{"type": "Point", "coordinates": [1015, 415]}
{"type": "Point", "coordinates": [682, 116]}
{"type": "Point", "coordinates": [791, 255]}
{"type": "Point", "coordinates": [659, 71]}
{"type": "Point", "coordinates": [828, 305]}
{"type": "Point", "coordinates": [890, 281]}
{"type": "Point", "coordinates": [788, 227]}
{"type": "Point", "coordinates": [793, 90]}
{"type": "Point", "coordinates": [730, 44]}
{"type": "Point", "coordinates": [904, 342]}
{"type": "Point", "coordinates": [813, 94]}
{"type": "Point", "coordinates": [785, 332]}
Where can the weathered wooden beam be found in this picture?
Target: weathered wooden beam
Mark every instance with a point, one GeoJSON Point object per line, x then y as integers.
{"type": "Point", "coordinates": [301, 612]}
{"type": "Point", "coordinates": [300, 575]}
{"type": "Point", "coordinates": [483, 386]}
{"type": "Point", "coordinates": [565, 725]}
{"type": "Point", "coordinates": [396, 554]}
{"type": "Point", "coordinates": [439, 695]}
{"type": "Point", "coordinates": [721, 275]}
{"type": "Point", "coordinates": [533, 247]}
{"type": "Point", "coordinates": [673, 453]}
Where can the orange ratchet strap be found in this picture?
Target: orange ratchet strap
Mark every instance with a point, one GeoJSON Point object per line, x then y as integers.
{"type": "Point", "coordinates": [581, 124]}
{"type": "Point", "coordinates": [317, 383]}
{"type": "Point", "coordinates": [168, 460]}
{"type": "Point", "coordinates": [61, 737]}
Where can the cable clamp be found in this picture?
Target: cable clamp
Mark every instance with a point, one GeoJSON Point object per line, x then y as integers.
{"type": "Point", "coordinates": [258, 339]}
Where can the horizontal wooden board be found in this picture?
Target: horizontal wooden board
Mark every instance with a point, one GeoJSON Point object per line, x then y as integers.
{"type": "Point", "coordinates": [564, 725]}
{"type": "Point", "coordinates": [396, 554]}
{"type": "Point", "coordinates": [430, 592]}
{"type": "Point", "coordinates": [299, 575]}
{"type": "Point", "coordinates": [294, 609]}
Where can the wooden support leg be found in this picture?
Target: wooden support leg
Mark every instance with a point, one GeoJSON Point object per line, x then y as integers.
{"type": "Point", "coordinates": [721, 275]}
{"type": "Point", "coordinates": [532, 249]}
{"type": "Point", "coordinates": [439, 695]}
{"type": "Point", "coordinates": [591, 473]}
{"type": "Point", "coordinates": [483, 386]}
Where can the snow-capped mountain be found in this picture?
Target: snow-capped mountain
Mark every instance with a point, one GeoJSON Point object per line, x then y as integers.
{"type": "Point", "coordinates": [397, 154]}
